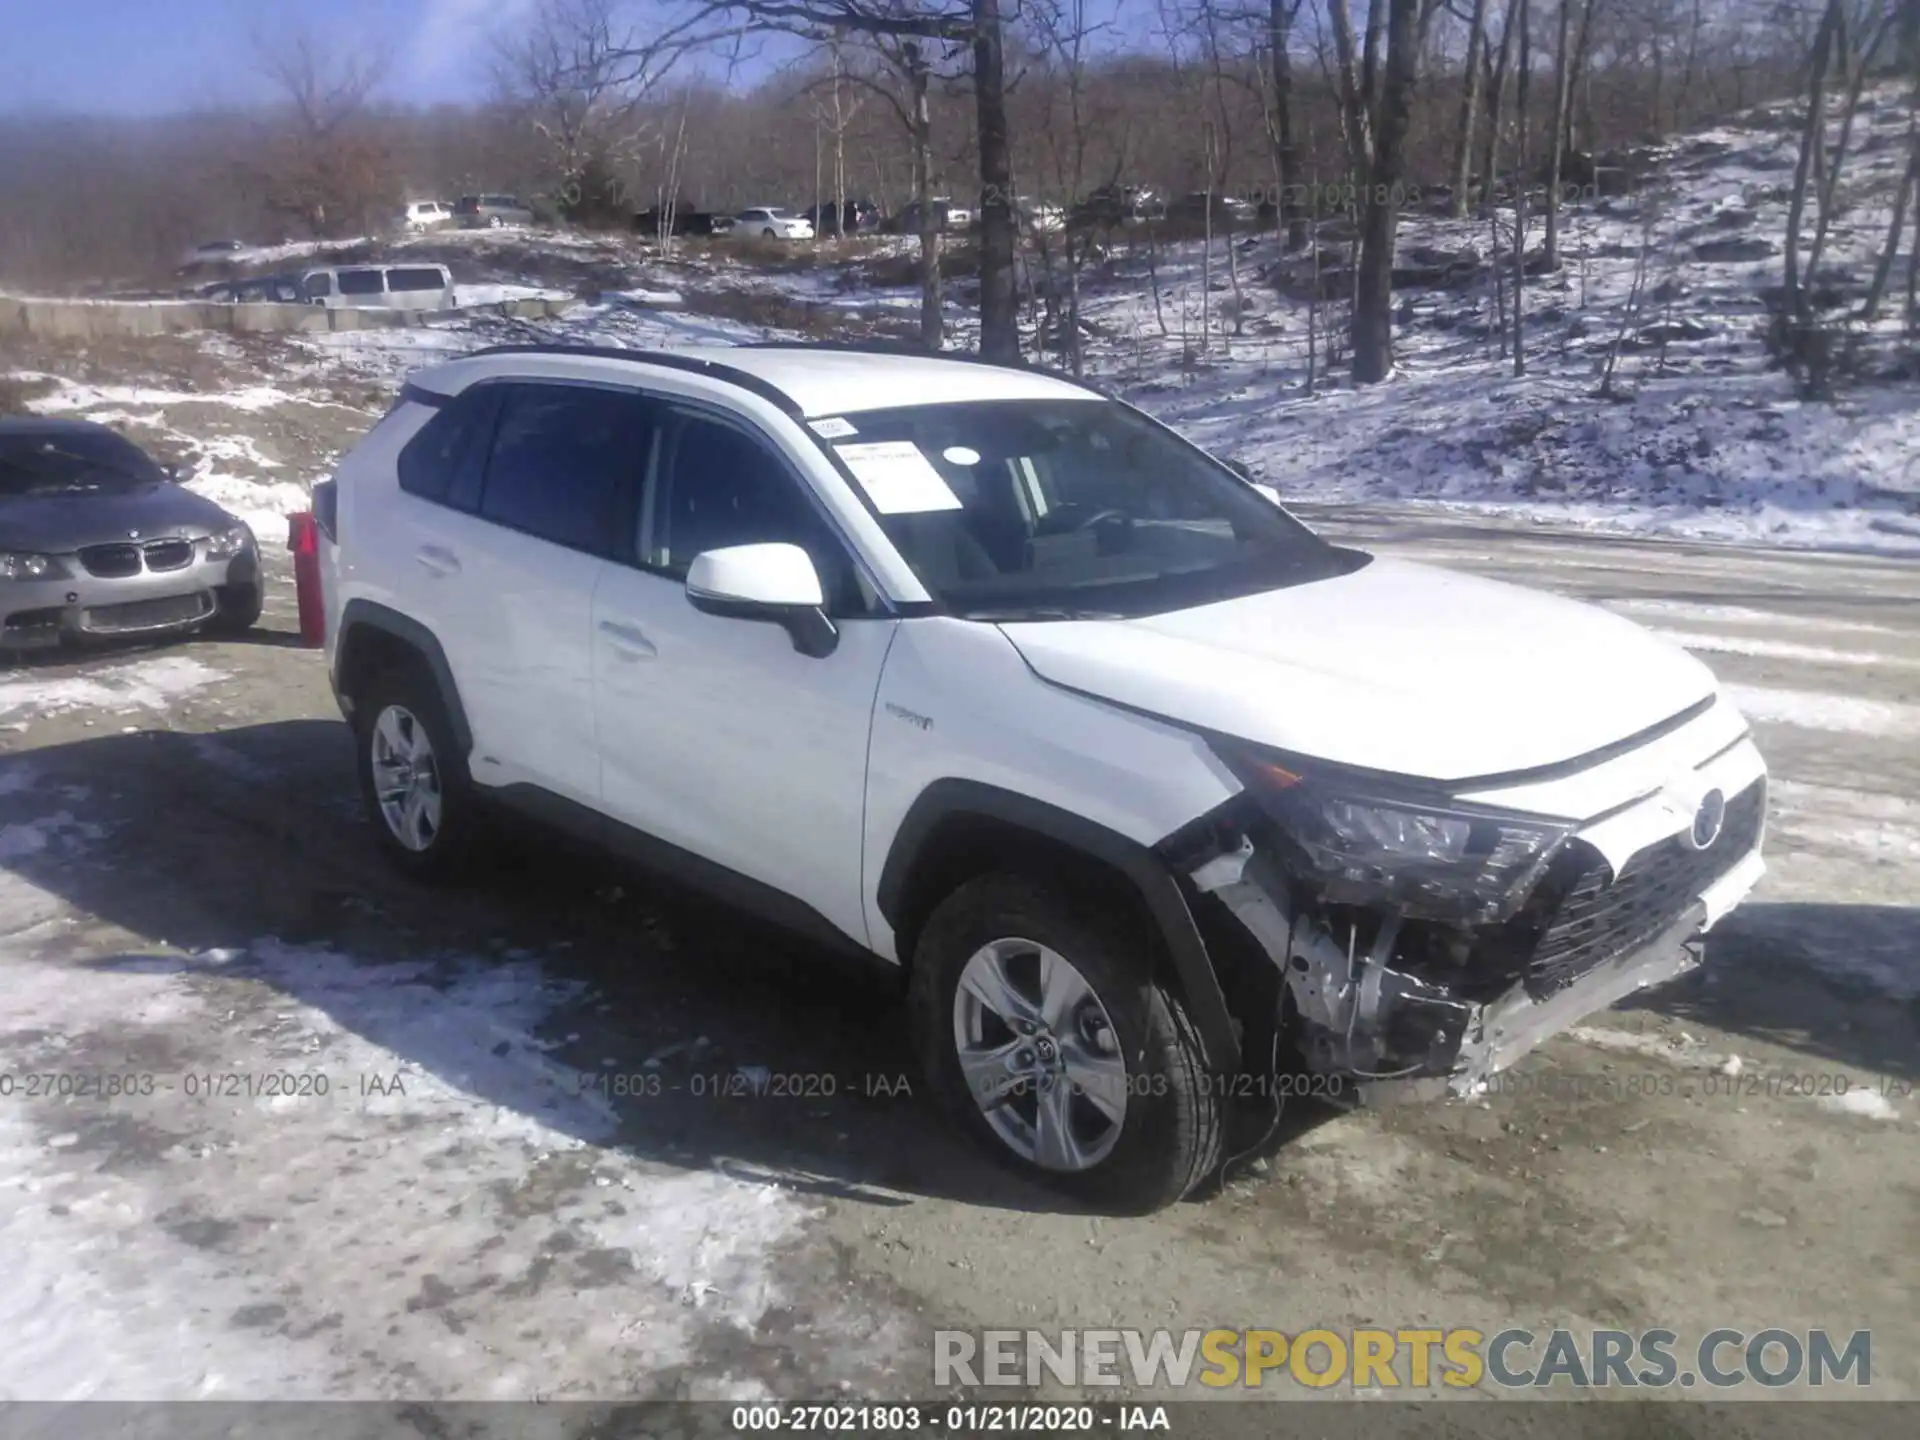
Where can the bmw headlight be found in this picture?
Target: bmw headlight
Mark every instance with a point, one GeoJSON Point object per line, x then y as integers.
{"type": "Point", "coordinates": [225, 544]}
{"type": "Point", "coordinates": [22, 565]}
{"type": "Point", "coordinates": [1371, 841]}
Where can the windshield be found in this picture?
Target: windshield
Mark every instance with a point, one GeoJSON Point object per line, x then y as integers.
{"type": "Point", "coordinates": [43, 464]}
{"type": "Point", "coordinates": [1049, 509]}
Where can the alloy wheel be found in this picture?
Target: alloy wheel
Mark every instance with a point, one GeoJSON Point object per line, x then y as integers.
{"type": "Point", "coordinates": [1040, 1055]}
{"type": "Point", "coordinates": [406, 778]}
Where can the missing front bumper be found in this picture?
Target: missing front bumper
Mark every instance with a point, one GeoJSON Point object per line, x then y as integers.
{"type": "Point", "coordinates": [1388, 1035]}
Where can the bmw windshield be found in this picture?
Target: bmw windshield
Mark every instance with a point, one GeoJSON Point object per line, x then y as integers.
{"type": "Point", "coordinates": [1067, 509]}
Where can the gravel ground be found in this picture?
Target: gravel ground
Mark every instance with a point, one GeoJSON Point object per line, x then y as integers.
{"type": "Point", "coordinates": [520, 1179]}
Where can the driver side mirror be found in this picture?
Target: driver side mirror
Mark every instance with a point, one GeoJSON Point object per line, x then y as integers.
{"type": "Point", "coordinates": [771, 582]}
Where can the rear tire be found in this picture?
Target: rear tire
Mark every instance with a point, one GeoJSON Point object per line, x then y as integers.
{"type": "Point", "coordinates": [1162, 1139]}
{"type": "Point", "coordinates": [419, 798]}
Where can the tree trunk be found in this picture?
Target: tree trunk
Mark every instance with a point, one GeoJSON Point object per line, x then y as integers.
{"type": "Point", "coordinates": [1373, 306]}
{"type": "Point", "coordinates": [932, 312]}
{"type": "Point", "coordinates": [1557, 134]}
{"type": "Point", "coordinates": [1286, 161]}
{"type": "Point", "coordinates": [1812, 141]}
{"type": "Point", "coordinates": [1469, 110]}
{"type": "Point", "coordinates": [1354, 103]}
{"type": "Point", "coordinates": [999, 304]}
{"type": "Point", "coordinates": [1496, 103]}
{"type": "Point", "coordinates": [1520, 188]}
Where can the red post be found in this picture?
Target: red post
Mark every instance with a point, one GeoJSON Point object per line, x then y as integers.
{"type": "Point", "coordinates": [303, 539]}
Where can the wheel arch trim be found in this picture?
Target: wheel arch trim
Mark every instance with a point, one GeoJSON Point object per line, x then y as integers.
{"type": "Point", "coordinates": [945, 800]}
{"type": "Point", "coordinates": [361, 615]}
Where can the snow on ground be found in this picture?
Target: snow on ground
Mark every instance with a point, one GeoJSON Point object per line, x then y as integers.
{"type": "Point", "coordinates": [143, 685]}
{"type": "Point", "coordinates": [1837, 714]}
{"type": "Point", "coordinates": [133, 1271]}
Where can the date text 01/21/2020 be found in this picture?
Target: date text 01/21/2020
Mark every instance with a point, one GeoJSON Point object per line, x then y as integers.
{"type": "Point", "coordinates": [747, 1082]}
{"type": "Point", "coordinates": [195, 1085]}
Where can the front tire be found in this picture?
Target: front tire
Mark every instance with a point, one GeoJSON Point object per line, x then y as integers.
{"type": "Point", "coordinates": [236, 608]}
{"type": "Point", "coordinates": [1044, 1032]}
{"type": "Point", "coordinates": [413, 780]}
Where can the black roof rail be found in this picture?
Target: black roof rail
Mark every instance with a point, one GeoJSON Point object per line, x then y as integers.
{"type": "Point", "coordinates": [665, 359]}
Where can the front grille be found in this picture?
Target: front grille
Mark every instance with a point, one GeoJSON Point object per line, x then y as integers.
{"type": "Point", "coordinates": [111, 562]}
{"type": "Point", "coordinates": [1596, 921]}
{"type": "Point", "coordinates": [147, 614]}
{"type": "Point", "coordinates": [169, 554]}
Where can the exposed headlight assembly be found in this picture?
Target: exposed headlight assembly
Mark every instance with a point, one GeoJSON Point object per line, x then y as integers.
{"type": "Point", "coordinates": [225, 544]}
{"type": "Point", "coordinates": [1370, 841]}
{"type": "Point", "coordinates": [23, 565]}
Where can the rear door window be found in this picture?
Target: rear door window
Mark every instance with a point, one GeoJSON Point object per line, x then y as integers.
{"type": "Point", "coordinates": [361, 282]}
{"type": "Point", "coordinates": [565, 462]}
{"type": "Point", "coordinates": [318, 285]}
{"type": "Point", "coordinates": [418, 277]}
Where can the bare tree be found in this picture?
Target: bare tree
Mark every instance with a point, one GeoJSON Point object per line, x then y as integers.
{"type": "Point", "coordinates": [1385, 179]}
{"type": "Point", "coordinates": [1557, 131]}
{"type": "Point", "coordinates": [326, 165]}
{"type": "Point", "coordinates": [1522, 183]}
{"type": "Point", "coordinates": [979, 24]}
{"type": "Point", "coordinates": [1469, 109]}
{"type": "Point", "coordinates": [581, 77]}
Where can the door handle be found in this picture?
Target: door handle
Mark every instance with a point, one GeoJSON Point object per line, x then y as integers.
{"type": "Point", "coordinates": [437, 560]}
{"type": "Point", "coordinates": [629, 641]}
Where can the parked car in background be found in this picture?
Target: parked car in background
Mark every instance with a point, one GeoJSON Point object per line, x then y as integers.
{"type": "Point", "coordinates": [98, 541]}
{"type": "Point", "coordinates": [771, 222]}
{"type": "Point", "coordinates": [490, 212]}
{"type": "Point", "coordinates": [1118, 205]}
{"type": "Point", "coordinates": [1037, 216]}
{"type": "Point", "coordinates": [211, 254]}
{"type": "Point", "coordinates": [946, 217]}
{"type": "Point", "coordinates": [379, 287]}
{"type": "Point", "coordinates": [1226, 209]}
{"type": "Point", "coordinates": [427, 214]}
{"type": "Point", "coordinates": [856, 216]}
{"type": "Point", "coordinates": [260, 289]}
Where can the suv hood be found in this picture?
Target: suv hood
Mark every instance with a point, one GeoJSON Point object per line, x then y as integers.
{"type": "Point", "coordinates": [1394, 667]}
{"type": "Point", "coordinates": [59, 522]}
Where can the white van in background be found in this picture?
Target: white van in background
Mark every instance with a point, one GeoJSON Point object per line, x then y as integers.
{"type": "Point", "coordinates": [379, 287]}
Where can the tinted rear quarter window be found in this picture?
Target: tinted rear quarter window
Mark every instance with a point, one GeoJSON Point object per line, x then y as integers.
{"type": "Point", "coordinates": [416, 278]}
{"type": "Point", "coordinates": [443, 461]}
{"type": "Point", "coordinates": [563, 457]}
{"type": "Point", "coordinates": [360, 282]}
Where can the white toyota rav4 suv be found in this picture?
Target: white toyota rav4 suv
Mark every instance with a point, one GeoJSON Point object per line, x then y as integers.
{"type": "Point", "coordinates": [1154, 795]}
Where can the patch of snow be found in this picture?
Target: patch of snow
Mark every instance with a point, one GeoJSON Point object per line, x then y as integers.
{"type": "Point", "coordinates": [1860, 1100]}
{"type": "Point", "coordinates": [154, 685]}
{"type": "Point", "coordinates": [435, 1074]}
{"type": "Point", "coordinates": [1706, 614]}
{"type": "Point", "coordinates": [71, 397]}
{"type": "Point", "coordinates": [1835, 714]}
{"type": "Point", "coordinates": [1783, 650]}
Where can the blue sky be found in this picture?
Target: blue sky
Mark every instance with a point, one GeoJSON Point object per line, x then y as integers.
{"type": "Point", "coordinates": [147, 57]}
{"type": "Point", "coordinates": [143, 57]}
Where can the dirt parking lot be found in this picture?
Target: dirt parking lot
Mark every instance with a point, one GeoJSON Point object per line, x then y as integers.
{"type": "Point", "coordinates": [561, 1133]}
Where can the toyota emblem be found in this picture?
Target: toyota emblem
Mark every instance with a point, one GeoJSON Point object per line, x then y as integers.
{"type": "Point", "coordinates": [1708, 820]}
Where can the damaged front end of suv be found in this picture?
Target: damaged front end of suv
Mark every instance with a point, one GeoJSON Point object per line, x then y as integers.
{"type": "Point", "coordinates": [1406, 943]}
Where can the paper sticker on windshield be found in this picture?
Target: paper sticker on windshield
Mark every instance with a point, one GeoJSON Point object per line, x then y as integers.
{"type": "Point", "coordinates": [832, 428]}
{"type": "Point", "coordinates": [898, 478]}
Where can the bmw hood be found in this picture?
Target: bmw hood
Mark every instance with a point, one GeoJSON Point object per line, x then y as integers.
{"type": "Point", "coordinates": [1394, 667]}
{"type": "Point", "coordinates": [62, 521]}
